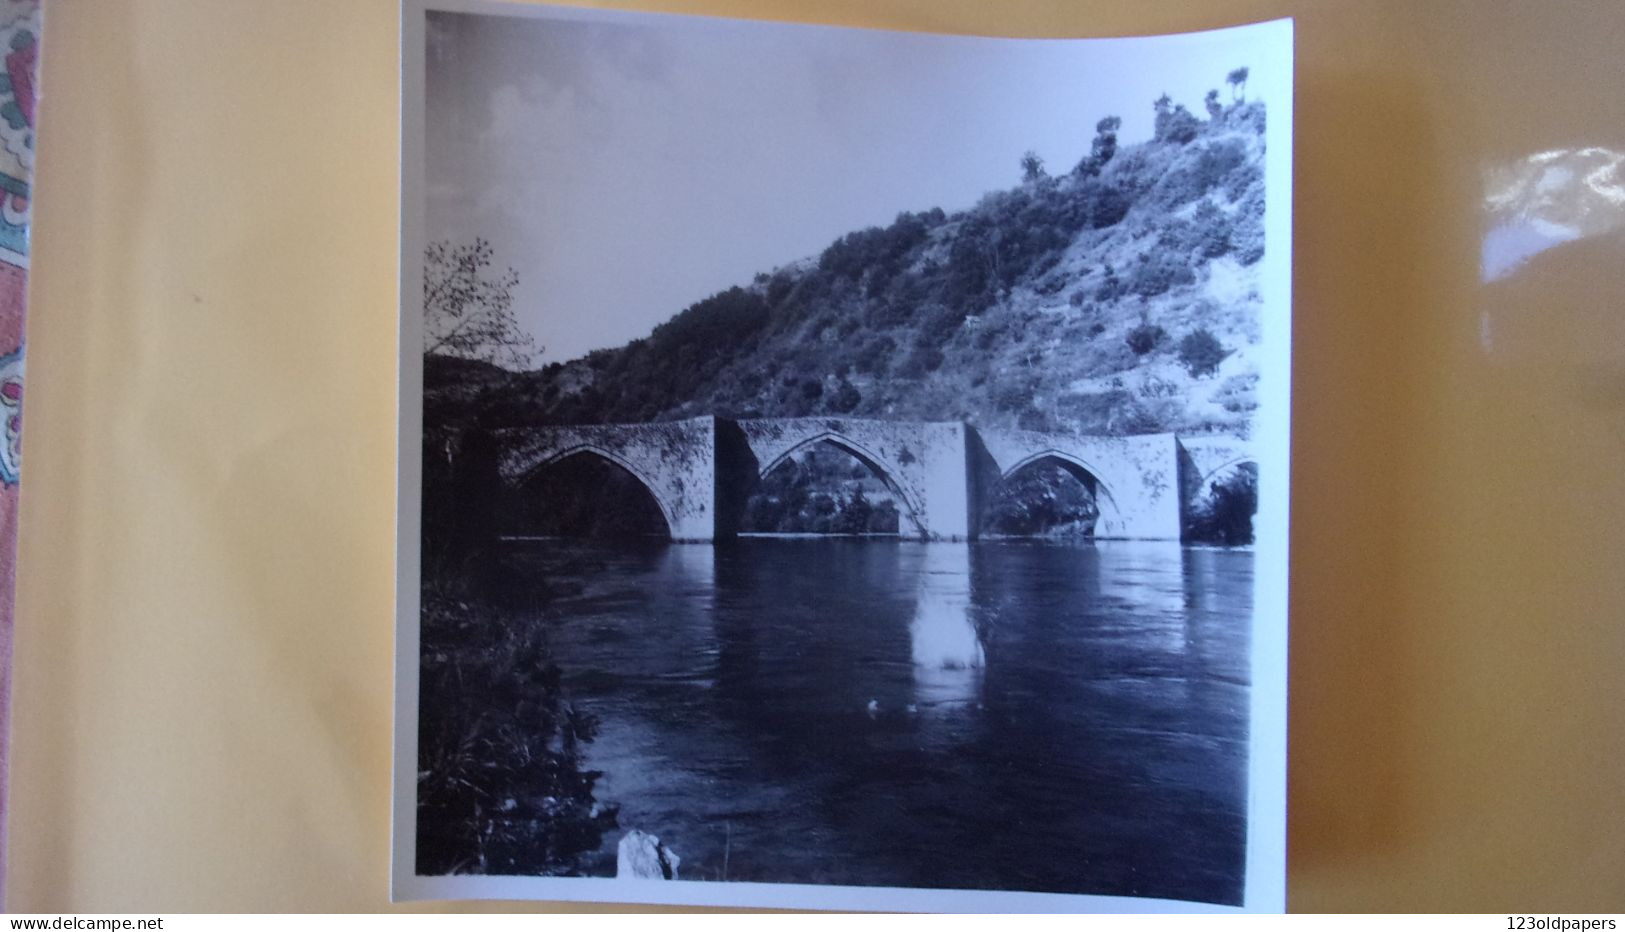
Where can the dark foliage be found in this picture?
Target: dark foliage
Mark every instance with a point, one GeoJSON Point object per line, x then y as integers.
{"type": "Point", "coordinates": [1107, 206]}
{"type": "Point", "coordinates": [823, 491]}
{"type": "Point", "coordinates": [875, 256]}
{"type": "Point", "coordinates": [1111, 286]}
{"type": "Point", "coordinates": [924, 359]}
{"type": "Point", "coordinates": [875, 355]}
{"type": "Point", "coordinates": [1042, 500]}
{"type": "Point", "coordinates": [468, 309]}
{"type": "Point", "coordinates": [501, 784]}
{"type": "Point", "coordinates": [1224, 515]}
{"type": "Point", "coordinates": [584, 496]}
{"type": "Point", "coordinates": [1200, 352]}
{"type": "Point", "coordinates": [1247, 235]}
{"type": "Point", "coordinates": [1238, 82]}
{"type": "Point", "coordinates": [1213, 230]}
{"type": "Point", "coordinates": [1217, 163]}
{"type": "Point", "coordinates": [1145, 338]}
{"type": "Point", "coordinates": [914, 318]}
{"type": "Point", "coordinates": [1102, 148]}
{"type": "Point", "coordinates": [1032, 167]}
{"type": "Point", "coordinates": [462, 499]}
{"type": "Point", "coordinates": [845, 398]}
{"type": "Point", "coordinates": [1173, 123]}
{"type": "Point", "coordinates": [1160, 270]}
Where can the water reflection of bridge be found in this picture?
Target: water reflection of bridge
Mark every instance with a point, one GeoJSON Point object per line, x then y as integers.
{"type": "Point", "coordinates": [700, 471]}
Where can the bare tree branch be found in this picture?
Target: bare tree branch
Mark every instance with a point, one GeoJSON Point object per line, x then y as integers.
{"type": "Point", "coordinates": [468, 311]}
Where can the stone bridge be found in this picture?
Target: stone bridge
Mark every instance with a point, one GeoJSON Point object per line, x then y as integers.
{"type": "Point", "coordinates": [1135, 480]}
{"type": "Point", "coordinates": [701, 471]}
{"type": "Point", "coordinates": [675, 460]}
{"type": "Point", "coordinates": [1205, 460]}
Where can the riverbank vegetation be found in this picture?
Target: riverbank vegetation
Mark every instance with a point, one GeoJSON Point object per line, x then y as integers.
{"type": "Point", "coordinates": [502, 785]}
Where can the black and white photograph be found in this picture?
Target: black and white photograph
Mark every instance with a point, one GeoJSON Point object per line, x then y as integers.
{"type": "Point", "coordinates": [841, 468]}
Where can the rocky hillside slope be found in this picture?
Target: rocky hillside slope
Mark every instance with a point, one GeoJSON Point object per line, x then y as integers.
{"type": "Point", "coordinates": [1119, 297]}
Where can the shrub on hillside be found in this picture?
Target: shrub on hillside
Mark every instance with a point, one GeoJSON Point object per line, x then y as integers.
{"type": "Point", "coordinates": [1032, 167]}
{"type": "Point", "coordinates": [1200, 352]}
{"type": "Point", "coordinates": [1173, 123]}
{"type": "Point", "coordinates": [1178, 235]}
{"type": "Point", "coordinates": [1111, 286]}
{"type": "Point", "coordinates": [845, 398]}
{"type": "Point", "coordinates": [1102, 148]}
{"type": "Point", "coordinates": [940, 324]}
{"type": "Point", "coordinates": [1243, 180]}
{"type": "Point", "coordinates": [1238, 394]}
{"type": "Point", "coordinates": [1216, 163]}
{"type": "Point", "coordinates": [1145, 338]}
{"type": "Point", "coordinates": [1014, 395]}
{"type": "Point", "coordinates": [1142, 415]}
{"type": "Point", "coordinates": [1107, 205]}
{"type": "Point", "coordinates": [1247, 233]}
{"type": "Point", "coordinates": [1035, 419]}
{"type": "Point", "coordinates": [967, 280]}
{"type": "Point", "coordinates": [1135, 172]}
{"type": "Point", "coordinates": [923, 360]}
{"type": "Point", "coordinates": [778, 288]}
{"type": "Point", "coordinates": [879, 253]}
{"type": "Point", "coordinates": [875, 356]}
{"type": "Point", "coordinates": [1095, 411]}
{"type": "Point", "coordinates": [1159, 271]}
{"type": "Point", "coordinates": [1212, 230]}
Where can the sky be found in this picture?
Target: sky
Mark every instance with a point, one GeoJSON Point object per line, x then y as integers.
{"type": "Point", "coordinates": [628, 165]}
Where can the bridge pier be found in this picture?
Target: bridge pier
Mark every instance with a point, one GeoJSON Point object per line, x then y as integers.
{"type": "Point", "coordinates": [946, 491]}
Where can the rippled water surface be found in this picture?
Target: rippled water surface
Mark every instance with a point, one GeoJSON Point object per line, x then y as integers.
{"type": "Point", "coordinates": [1023, 716]}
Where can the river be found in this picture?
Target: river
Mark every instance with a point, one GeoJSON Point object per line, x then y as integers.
{"type": "Point", "coordinates": [996, 715]}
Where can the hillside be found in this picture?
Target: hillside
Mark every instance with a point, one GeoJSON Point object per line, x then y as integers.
{"type": "Point", "coordinates": [1067, 301]}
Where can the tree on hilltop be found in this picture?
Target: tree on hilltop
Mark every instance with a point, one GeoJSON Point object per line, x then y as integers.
{"type": "Point", "coordinates": [1173, 122]}
{"type": "Point", "coordinates": [1032, 167]}
{"type": "Point", "coordinates": [1238, 83]}
{"type": "Point", "coordinates": [1103, 147]}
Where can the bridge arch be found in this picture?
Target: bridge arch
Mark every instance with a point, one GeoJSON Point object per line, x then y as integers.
{"type": "Point", "coordinates": [613, 458]}
{"type": "Point", "coordinates": [1110, 521]}
{"type": "Point", "coordinates": [1224, 513]}
{"type": "Point", "coordinates": [1224, 469]}
{"type": "Point", "coordinates": [876, 464]}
